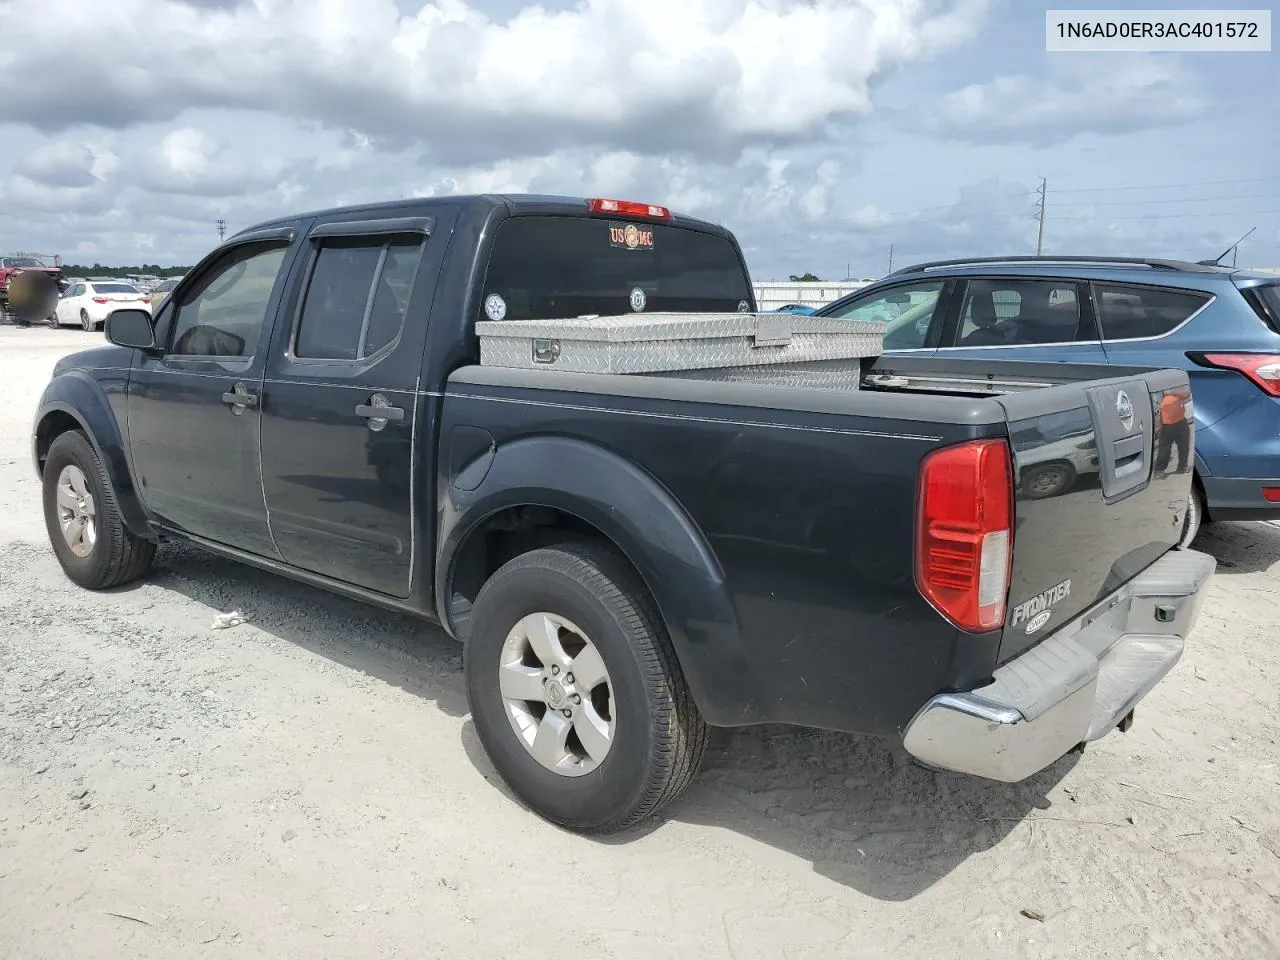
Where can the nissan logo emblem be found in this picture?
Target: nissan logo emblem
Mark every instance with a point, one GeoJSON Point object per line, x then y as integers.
{"type": "Point", "coordinates": [1124, 410]}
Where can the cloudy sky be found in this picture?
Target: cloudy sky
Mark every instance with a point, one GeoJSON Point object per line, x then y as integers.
{"type": "Point", "coordinates": [821, 131]}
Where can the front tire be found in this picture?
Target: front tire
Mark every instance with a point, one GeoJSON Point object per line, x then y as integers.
{"type": "Point", "coordinates": [83, 519]}
{"type": "Point", "coordinates": [596, 750]}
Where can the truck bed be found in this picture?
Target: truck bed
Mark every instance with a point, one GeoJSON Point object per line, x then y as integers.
{"type": "Point", "coordinates": [783, 472]}
{"type": "Point", "coordinates": [1110, 528]}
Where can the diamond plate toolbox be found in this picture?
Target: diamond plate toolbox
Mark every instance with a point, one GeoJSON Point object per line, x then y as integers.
{"type": "Point", "coordinates": [660, 342]}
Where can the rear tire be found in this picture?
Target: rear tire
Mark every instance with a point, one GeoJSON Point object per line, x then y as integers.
{"type": "Point", "coordinates": [87, 325]}
{"type": "Point", "coordinates": [83, 519]}
{"type": "Point", "coordinates": [536, 620]}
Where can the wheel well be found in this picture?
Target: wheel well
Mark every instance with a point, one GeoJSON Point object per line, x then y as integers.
{"type": "Point", "coordinates": [51, 427]}
{"type": "Point", "coordinates": [502, 537]}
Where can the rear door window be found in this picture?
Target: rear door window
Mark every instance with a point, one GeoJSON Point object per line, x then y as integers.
{"type": "Point", "coordinates": [1130, 312]}
{"type": "Point", "coordinates": [1018, 312]}
{"type": "Point", "coordinates": [356, 299]}
{"type": "Point", "coordinates": [547, 267]}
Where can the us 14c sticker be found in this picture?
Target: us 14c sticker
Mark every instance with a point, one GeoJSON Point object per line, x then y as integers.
{"type": "Point", "coordinates": [630, 236]}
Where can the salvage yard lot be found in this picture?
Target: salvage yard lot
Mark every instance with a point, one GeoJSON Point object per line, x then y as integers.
{"type": "Point", "coordinates": [308, 784]}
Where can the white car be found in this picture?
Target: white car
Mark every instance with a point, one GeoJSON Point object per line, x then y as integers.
{"type": "Point", "coordinates": [87, 303]}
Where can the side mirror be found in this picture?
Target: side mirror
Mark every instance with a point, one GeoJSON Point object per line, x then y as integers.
{"type": "Point", "coordinates": [130, 328]}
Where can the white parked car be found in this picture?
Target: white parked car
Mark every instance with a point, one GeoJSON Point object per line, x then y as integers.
{"type": "Point", "coordinates": [87, 303]}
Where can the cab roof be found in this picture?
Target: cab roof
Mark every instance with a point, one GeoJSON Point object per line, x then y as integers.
{"type": "Point", "coordinates": [517, 204]}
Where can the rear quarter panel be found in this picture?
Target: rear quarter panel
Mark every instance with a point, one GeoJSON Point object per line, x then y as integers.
{"type": "Point", "coordinates": [810, 517]}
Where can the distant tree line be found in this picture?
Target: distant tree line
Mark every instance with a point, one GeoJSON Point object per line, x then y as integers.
{"type": "Point", "coordinates": [98, 270]}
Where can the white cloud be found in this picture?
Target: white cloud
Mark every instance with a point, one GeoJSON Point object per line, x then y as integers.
{"type": "Point", "coordinates": [189, 161]}
{"type": "Point", "coordinates": [696, 76]}
{"type": "Point", "coordinates": [1082, 94]}
{"type": "Point", "coordinates": [759, 114]}
{"type": "Point", "coordinates": [60, 163]}
{"type": "Point", "coordinates": [187, 152]}
{"type": "Point", "coordinates": [869, 217]}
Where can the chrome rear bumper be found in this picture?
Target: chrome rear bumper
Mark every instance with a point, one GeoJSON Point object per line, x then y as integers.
{"type": "Point", "coordinates": [1075, 686]}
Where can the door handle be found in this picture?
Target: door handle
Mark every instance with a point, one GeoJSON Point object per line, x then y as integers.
{"type": "Point", "coordinates": [240, 399]}
{"type": "Point", "coordinates": [379, 412]}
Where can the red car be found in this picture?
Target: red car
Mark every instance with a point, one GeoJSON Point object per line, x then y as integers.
{"type": "Point", "coordinates": [11, 267]}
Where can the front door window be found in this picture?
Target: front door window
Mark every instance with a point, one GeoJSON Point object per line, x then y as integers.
{"type": "Point", "coordinates": [908, 311]}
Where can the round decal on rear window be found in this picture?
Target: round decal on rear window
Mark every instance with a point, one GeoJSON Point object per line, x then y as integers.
{"type": "Point", "coordinates": [743, 306]}
{"type": "Point", "coordinates": [638, 300]}
{"type": "Point", "coordinates": [495, 308]}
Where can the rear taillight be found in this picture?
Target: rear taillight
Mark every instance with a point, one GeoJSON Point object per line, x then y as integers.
{"type": "Point", "coordinates": [101, 300]}
{"type": "Point", "coordinates": [964, 530]}
{"type": "Point", "coordinates": [1262, 368]}
{"type": "Point", "coordinates": [629, 208]}
{"type": "Point", "coordinates": [145, 299]}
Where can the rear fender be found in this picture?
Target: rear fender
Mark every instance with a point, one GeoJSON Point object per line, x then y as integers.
{"type": "Point", "coordinates": [646, 524]}
{"type": "Point", "coordinates": [79, 397]}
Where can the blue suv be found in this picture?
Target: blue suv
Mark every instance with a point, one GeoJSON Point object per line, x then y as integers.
{"type": "Point", "coordinates": [1219, 324]}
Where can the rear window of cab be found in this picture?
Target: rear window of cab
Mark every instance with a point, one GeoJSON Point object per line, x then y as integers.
{"type": "Point", "coordinates": [553, 267]}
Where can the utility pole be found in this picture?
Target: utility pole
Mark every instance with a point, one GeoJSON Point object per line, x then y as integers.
{"type": "Point", "coordinates": [222, 229]}
{"type": "Point", "coordinates": [1043, 191]}
{"type": "Point", "coordinates": [891, 258]}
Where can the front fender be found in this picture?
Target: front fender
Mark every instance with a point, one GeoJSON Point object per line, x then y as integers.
{"type": "Point", "coordinates": [647, 525]}
{"type": "Point", "coordinates": [77, 396]}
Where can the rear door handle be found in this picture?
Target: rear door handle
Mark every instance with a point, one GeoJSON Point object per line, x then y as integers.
{"type": "Point", "coordinates": [379, 412]}
{"type": "Point", "coordinates": [240, 399]}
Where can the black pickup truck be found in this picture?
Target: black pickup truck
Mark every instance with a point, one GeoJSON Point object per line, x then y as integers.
{"type": "Point", "coordinates": [632, 558]}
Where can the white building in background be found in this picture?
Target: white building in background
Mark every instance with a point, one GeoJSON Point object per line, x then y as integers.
{"type": "Point", "coordinates": [772, 294]}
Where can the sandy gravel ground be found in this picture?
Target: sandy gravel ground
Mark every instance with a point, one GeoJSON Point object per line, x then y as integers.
{"type": "Point", "coordinates": [309, 785]}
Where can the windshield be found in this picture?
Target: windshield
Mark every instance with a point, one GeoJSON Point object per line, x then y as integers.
{"type": "Point", "coordinates": [545, 268]}
{"type": "Point", "coordinates": [114, 288]}
{"type": "Point", "coordinates": [22, 262]}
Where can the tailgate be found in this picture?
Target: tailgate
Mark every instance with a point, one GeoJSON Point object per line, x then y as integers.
{"type": "Point", "coordinates": [1102, 472]}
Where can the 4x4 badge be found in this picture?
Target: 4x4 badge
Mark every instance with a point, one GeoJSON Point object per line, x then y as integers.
{"type": "Point", "coordinates": [1124, 409]}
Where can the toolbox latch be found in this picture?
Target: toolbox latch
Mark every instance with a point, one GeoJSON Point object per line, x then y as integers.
{"type": "Point", "coordinates": [546, 351]}
{"type": "Point", "coordinates": [773, 331]}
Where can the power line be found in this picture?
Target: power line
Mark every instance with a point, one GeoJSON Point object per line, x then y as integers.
{"type": "Point", "coordinates": [1129, 203]}
{"type": "Point", "coordinates": [1167, 186]}
{"type": "Point", "coordinates": [1180, 216]}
